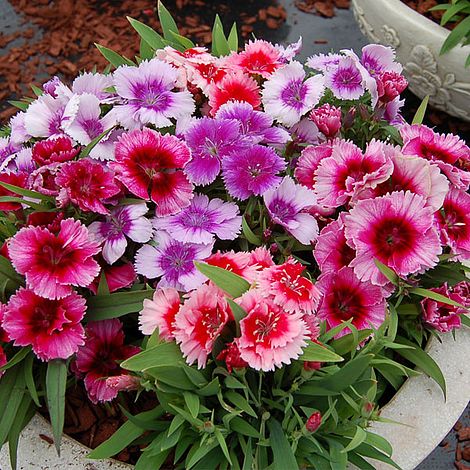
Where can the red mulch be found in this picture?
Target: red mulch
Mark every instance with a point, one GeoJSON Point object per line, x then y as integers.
{"type": "Point", "coordinates": [325, 8]}
{"type": "Point", "coordinates": [423, 6]}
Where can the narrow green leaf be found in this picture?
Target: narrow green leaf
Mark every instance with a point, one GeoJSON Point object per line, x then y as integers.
{"type": "Point", "coordinates": [223, 445]}
{"type": "Point", "coordinates": [453, 11]}
{"type": "Point", "coordinates": [56, 381]}
{"type": "Point", "coordinates": [14, 400]}
{"type": "Point", "coordinates": [192, 402]}
{"type": "Point", "coordinates": [284, 457]}
{"type": "Point", "coordinates": [421, 111]}
{"type": "Point", "coordinates": [233, 38]}
{"type": "Point", "coordinates": [317, 353]}
{"type": "Point", "coordinates": [145, 51]}
{"type": "Point", "coordinates": [248, 460]}
{"type": "Point", "coordinates": [19, 104]}
{"type": "Point", "coordinates": [248, 233]}
{"type": "Point", "coordinates": [167, 353]}
{"type": "Point", "coordinates": [348, 343]}
{"type": "Point", "coordinates": [456, 35]}
{"type": "Point", "coordinates": [429, 294]}
{"type": "Point", "coordinates": [17, 358]}
{"type": "Point", "coordinates": [229, 282]}
{"type": "Point", "coordinates": [184, 42]}
{"type": "Point", "coordinates": [240, 402]}
{"type": "Point", "coordinates": [465, 320]}
{"type": "Point", "coordinates": [147, 34]}
{"type": "Point", "coordinates": [151, 462]}
{"type": "Point", "coordinates": [103, 288]}
{"type": "Point", "coordinates": [29, 379]}
{"type": "Point", "coordinates": [390, 274]}
{"type": "Point", "coordinates": [200, 452]}
{"type": "Point", "coordinates": [167, 21]}
{"type": "Point", "coordinates": [238, 312]}
{"type": "Point", "coordinates": [26, 192]}
{"type": "Point", "coordinates": [220, 45]}
{"type": "Point", "coordinates": [379, 442]}
{"type": "Point", "coordinates": [240, 426]}
{"type": "Point", "coordinates": [359, 462]}
{"type": "Point", "coordinates": [113, 57]}
{"type": "Point", "coordinates": [86, 151]}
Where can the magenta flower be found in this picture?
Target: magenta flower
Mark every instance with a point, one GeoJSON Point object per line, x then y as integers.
{"type": "Point", "coordinates": [287, 96]}
{"type": "Point", "coordinates": [398, 230]}
{"type": "Point", "coordinates": [123, 221]}
{"type": "Point", "coordinates": [252, 172]}
{"type": "Point", "coordinates": [172, 261]}
{"type": "Point", "coordinates": [51, 327]}
{"type": "Point", "coordinates": [345, 80]}
{"type": "Point", "coordinates": [348, 172]}
{"type": "Point", "coordinates": [199, 322]}
{"type": "Point", "coordinates": [345, 298]}
{"type": "Point", "coordinates": [149, 95]}
{"type": "Point", "coordinates": [453, 222]}
{"type": "Point", "coordinates": [87, 184]}
{"type": "Point", "coordinates": [331, 250]}
{"type": "Point", "coordinates": [148, 162]}
{"type": "Point", "coordinates": [443, 317]}
{"type": "Point", "coordinates": [328, 120]}
{"type": "Point", "coordinates": [202, 219]}
{"type": "Point", "coordinates": [256, 125]}
{"type": "Point", "coordinates": [99, 358]}
{"type": "Point", "coordinates": [160, 313]}
{"type": "Point", "coordinates": [270, 337]}
{"type": "Point", "coordinates": [53, 263]}
{"type": "Point", "coordinates": [210, 140]}
{"type": "Point", "coordinates": [117, 277]}
{"type": "Point", "coordinates": [390, 85]}
{"type": "Point", "coordinates": [287, 205]}
{"type": "Point", "coordinates": [308, 162]}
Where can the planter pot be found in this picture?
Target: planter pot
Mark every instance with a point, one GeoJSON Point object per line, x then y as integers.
{"type": "Point", "coordinates": [419, 405]}
{"type": "Point", "coordinates": [417, 41]}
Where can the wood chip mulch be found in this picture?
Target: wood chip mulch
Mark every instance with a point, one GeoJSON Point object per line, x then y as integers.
{"type": "Point", "coordinates": [325, 8]}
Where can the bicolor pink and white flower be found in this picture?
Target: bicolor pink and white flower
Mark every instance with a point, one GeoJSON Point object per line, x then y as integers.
{"type": "Point", "coordinates": [172, 262]}
{"type": "Point", "coordinates": [150, 165]}
{"type": "Point", "coordinates": [199, 322]}
{"type": "Point", "coordinates": [287, 205]}
{"type": "Point", "coordinates": [239, 263]}
{"type": "Point", "coordinates": [287, 96]}
{"type": "Point", "coordinates": [345, 297]}
{"type": "Point", "coordinates": [51, 263]}
{"type": "Point", "coordinates": [123, 221]}
{"type": "Point", "coordinates": [100, 356]}
{"type": "Point", "coordinates": [202, 220]}
{"type": "Point", "coordinates": [270, 337]}
{"type": "Point", "coordinates": [159, 312]}
{"type": "Point", "coordinates": [150, 95]}
{"type": "Point", "coordinates": [51, 327]}
{"type": "Point", "coordinates": [398, 230]}
{"type": "Point", "coordinates": [328, 119]}
{"type": "Point", "coordinates": [308, 162]}
{"type": "Point", "coordinates": [289, 288]}
{"type": "Point", "coordinates": [345, 80]}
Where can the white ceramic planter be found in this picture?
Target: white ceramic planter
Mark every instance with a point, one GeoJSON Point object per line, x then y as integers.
{"type": "Point", "coordinates": [419, 405]}
{"type": "Point", "coordinates": [417, 41]}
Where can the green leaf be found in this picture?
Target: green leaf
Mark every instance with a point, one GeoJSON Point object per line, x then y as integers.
{"type": "Point", "coordinates": [359, 462]}
{"type": "Point", "coordinates": [424, 361]}
{"type": "Point", "coordinates": [421, 111]}
{"type": "Point", "coordinates": [185, 42]}
{"type": "Point", "coordinates": [233, 38]}
{"type": "Point", "coordinates": [229, 282]}
{"type": "Point", "coordinates": [29, 379]}
{"type": "Point", "coordinates": [172, 375]}
{"type": "Point", "coordinates": [16, 385]}
{"type": "Point", "coordinates": [103, 288]}
{"type": "Point", "coordinates": [248, 233]}
{"type": "Point", "coordinates": [103, 307]}
{"type": "Point", "coordinates": [223, 445]}
{"type": "Point", "coordinates": [465, 319]}
{"type": "Point", "coordinates": [19, 104]}
{"type": "Point", "coordinates": [17, 358]}
{"type": "Point", "coordinates": [453, 11]}
{"type": "Point", "coordinates": [192, 402]}
{"type": "Point", "coordinates": [379, 442]}
{"type": "Point", "coordinates": [248, 460]}
{"type": "Point", "coordinates": [220, 46]}
{"type": "Point", "coordinates": [212, 388]}
{"type": "Point", "coordinates": [113, 57]}
{"type": "Point", "coordinates": [238, 312]}
{"type": "Point", "coordinates": [147, 34]}
{"type": "Point", "coordinates": [201, 451]}
{"type": "Point", "coordinates": [151, 461]}
{"type": "Point", "coordinates": [456, 35]}
{"type": "Point", "coordinates": [240, 402]}
{"type": "Point", "coordinates": [390, 274]}
{"type": "Point", "coordinates": [240, 426]}
{"type": "Point", "coordinates": [348, 343]}
{"type": "Point", "coordinates": [167, 21]}
{"type": "Point", "coordinates": [145, 51]}
{"type": "Point", "coordinates": [284, 457]}
{"type": "Point", "coordinates": [56, 382]}
{"type": "Point", "coordinates": [429, 294]}
{"type": "Point", "coordinates": [123, 437]}
{"type": "Point", "coordinates": [163, 354]}
{"type": "Point", "coordinates": [86, 151]}
{"type": "Point", "coordinates": [318, 353]}
{"type": "Point", "coordinates": [26, 192]}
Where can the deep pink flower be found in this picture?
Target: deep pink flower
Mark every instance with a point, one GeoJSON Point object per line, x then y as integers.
{"type": "Point", "coordinates": [348, 172]}
{"type": "Point", "coordinates": [288, 288]}
{"type": "Point", "coordinates": [117, 277]}
{"type": "Point", "coordinates": [232, 358]}
{"type": "Point", "coordinates": [443, 317]}
{"type": "Point", "coordinates": [258, 58]}
{"type": "Point", "coordinates": [239, 263]}
{"type": "Point", "coordinates": [3, 334]}
{"type": "Point", "coordinates": [149, 162]}
{"type": "Point", "coordinates": [261, 258]}
{"type": "Point", "coordinates": [53, 263]}
{"type": "Point", "coordinates": [345, 297]}
{"type": "Point", "coordinates": [270, 337]}
{"type": "Point", "coordinates": [332, 251]}
{"type": "Point", "coordinates": [51, 327]}
{"type": "Point", "coordinates": [56, 150]}
{"type": "Point", "coordinates": [15, 180]}
{"type": "Point", "coordinates": [199, 322]}
{"type": "Point", "coordinates": [43, 180]}
{"type": "Point", "coordinates": [398, 230]}
{"type": "Point", "coordinates": [99, 358]}
{"type": "Point", "coordinates": [463, 290]}
{"type": "Point", "coordinates": [308, 162]}
{"type": "Point", "coordinates": [87, 184]}
{"type": "Point", "coordinates": [453, 221]}
{"type": "Point", "coordinates": [328, 119]}
{"type": "Point", "coordinates": [390, 85]}
{"type": "Point", "coordinates": [3, 360]}
{"type": "Point", "coordinates": [160, 313]}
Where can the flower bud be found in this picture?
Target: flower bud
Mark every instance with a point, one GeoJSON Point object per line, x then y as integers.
{"type": "Point", "coordinates": [314, 422]}
{"type": "Point", "coordinates": [390, 85]}
{"type": "Point", "coordinates": [328, 120]}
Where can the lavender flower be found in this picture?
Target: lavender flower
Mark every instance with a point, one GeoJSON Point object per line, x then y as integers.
{"type": "Point", "coordinates": [287, 97]}
{"type": "Point", "coordinates": [322, 62]}
{"type": "Point", "coordinates": [201, 220]}
{"type": "Point", "coordinates": [123, 221]}
{"type": "Point", "coordinates": [210, 140]}
{"type": "Point", "coordinates": [95, 84]}
{"type": "Point", "coordinates": [376, 58]}
{"type": "Point", "coordinates": [289, 52]}
{"type": "Point", "coordinates": [255, 125]}
{"type": "Point", "coordinates": [252, 172]}
{"type": "Point", "coordinates": [286, 205]}
{"type": "Point", "coordinates": [172, 261]}
{"type": "Point", "coordinates": [149, 96]}
{"type": "Point", "coordinates": [345, 80]}
{"type": "Point", "coordinates": [18, 134]}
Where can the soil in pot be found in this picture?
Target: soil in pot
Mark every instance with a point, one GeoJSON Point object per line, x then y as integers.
{"type": "Point", "coordinates": [423, 7]}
